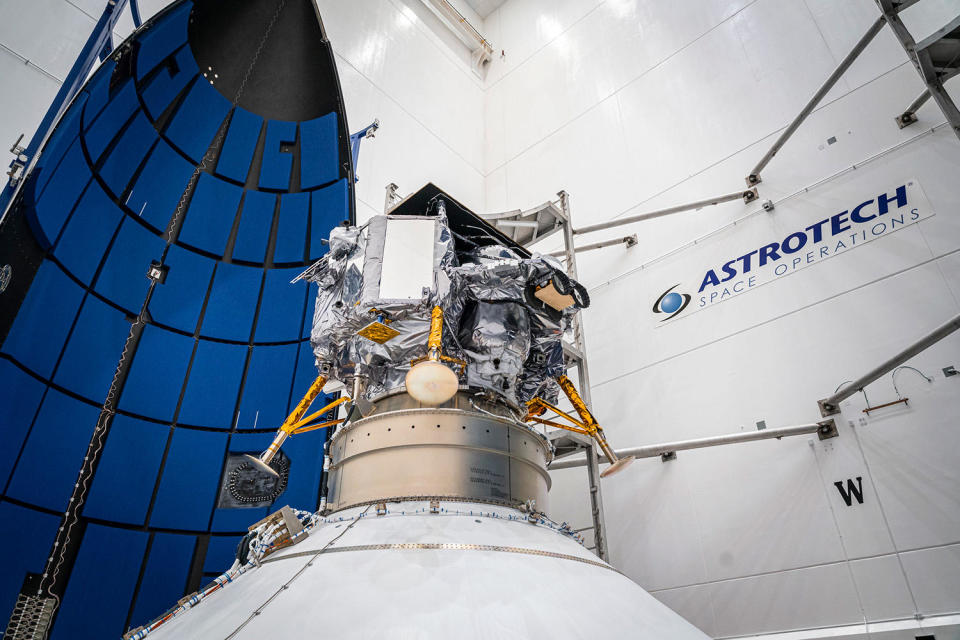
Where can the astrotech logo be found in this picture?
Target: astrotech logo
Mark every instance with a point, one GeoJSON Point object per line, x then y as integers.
{"type": "Point", "coordinates": [671, 303]}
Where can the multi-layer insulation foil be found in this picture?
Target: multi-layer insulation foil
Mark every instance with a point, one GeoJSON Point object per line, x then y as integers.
{"type": "Point", "coordinates": [394, 270]}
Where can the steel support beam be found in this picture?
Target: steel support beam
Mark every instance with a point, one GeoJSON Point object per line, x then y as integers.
{"type": "Point", "coordinates": [825, 429]}
{"type": "Point", "coordinates": [627, 240]}
{"type": "Point", "coordinates": [754, 177]}
{"type": "Point", "coordinates": [591, 461]}
{"type": "Point", "coordinates": [747, 196]}
{"type": "Point", "coordinates": [831, 406]}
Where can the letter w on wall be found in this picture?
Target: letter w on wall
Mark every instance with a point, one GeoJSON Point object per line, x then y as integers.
{"type": "Point", "coordinates": [852, 491]}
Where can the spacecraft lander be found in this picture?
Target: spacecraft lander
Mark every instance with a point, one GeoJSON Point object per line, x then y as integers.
{"type": "Point", "coordinates": [442, 336]}
{"type": "Point", "coordinates": [447, 339]}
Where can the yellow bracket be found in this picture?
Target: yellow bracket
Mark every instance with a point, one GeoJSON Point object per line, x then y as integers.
{"type": "Point", "coordinates": [313, 427]}
{"type": "Point", "coordinates": [315, 389]}
{"type": "Point", "coordinates": [435, 343]}
{"type": "Point", "coordinates": [559, 425]}
{"type": "Point", "coordinates": [578, 404]}
{"type": "Point", "coordinates": [296, 423]}
{"type": "Point", "coordinates": [586, 425]}
{"type": "Point", "coordinates": [538, 406]}
{"type": "Point", "coordinates": [295, 427]}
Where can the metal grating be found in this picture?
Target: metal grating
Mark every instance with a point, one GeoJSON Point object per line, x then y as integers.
{"type": "Point", "coordinates": [527, 227]}
{"type": "Point", "coordinates": [32, 614]}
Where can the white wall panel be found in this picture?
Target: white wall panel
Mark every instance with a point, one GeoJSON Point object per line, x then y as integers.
{"type": "Point", "coordinates": [883, 589]}
{"type": "Point", "coordinates": [522, 27]}
{"type": "Point", "coordinates": [63, 37]}
{"type": "Point", "coordinates": [404, 151]}
{"type": "Point", "coordinates": [382, 42]}
{"type": "Point", "coordinates": [694, 604]}
{"type": "Point", "coordinates": [805, 598]}
{"type": "Point", "coordinates": [934, 576]}
{"type": "Point", "coordinates": [842, 24]}
{"type": "Point", "coordinates": [912, 451]}
{"type": "Point", "coordinates": [23, 114]}
{"type": "Point", "coordinates": [633, 105]}
{"type": "Point", "coordinates": [656, 533]}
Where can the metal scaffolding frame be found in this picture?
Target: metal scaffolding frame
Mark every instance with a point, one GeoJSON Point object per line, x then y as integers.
{"type": "Point", "coordinates": [527, 227]}
{"type": "Point", "coordinates": [936, 58]}
{"type": "Point", "coordinates": [576, 358]}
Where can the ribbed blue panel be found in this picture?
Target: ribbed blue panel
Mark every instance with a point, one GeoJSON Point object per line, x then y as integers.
{"type": "Point", "coordinates": [44, 319]}
{"type": "Point", "coordinates": [189, 485]}
{"type": "Point", "coordinates": [50, 462]}
{"type": "Point", "coordinates": [306, 370]}
{"type": "Point", "coordinates": [68, 181]}
{"type": "Point", "coordinates": [329, 207]}
{"type": "Point", "coordinates": [124, 159]}
{"type": "Point", "coordinates": [160, 186]}
{"type": "Point", "coordinates": [282, 307]}
{"type": "Point", "coordinates": [230, 520]}
{"type": "Point", "coordinates": [233, 302]}
{"type": "Point", "coordinates": [85, 238]}
{"type": "Point", "coordinates": [277, 164]}
{"type": "Point", "coordinates": [214, 383]}
{"type": "Point", "coordinates": [211, 214]}
{"type": "Point", "coordinates": [255, 222]}
{"type": "Point", "coordinates": [159, 42]}
{"type": "Point", "coordinates": [308, 312]}
{"type": "Point", "coordinates": [127, 471]}
{"type": "Point", "coordinates": [306, 467]}
{"type": "Point", "coordinates": [319, 151]}
{"type": "Point", "coordinates": [20, 396]}
{"type": "Point", "coordinates": [124, 276]}
{"type": "Point", "coordinates": [101, 584]}
{"type": "Point", "coordinates": [177, 302]}
{"type": "Point", "coordinates": [98, 88]}
{"type": "Point", "coordinates": [156, 376]}
{"type": "Point", "coordinates": [167, 83]}
{"type": "Point", "coordinates": [91, 356]}
{"type": "Point", "coordinates": [165, 576]}
{"type": "Point", "coordinates": [221, 553]}
{"type": "Point", "coordinates": [102, 130]}
{"type": "Point", "coordinates": [177, 406]}
{"type": "Point", "coordinates": [267, 387]}
{"type": "Point", "coordinates": [292, 227]}
{"type": "Point", "coordinates": [33, 532]}
{"type": "Point", "coordinates": [239, 145]}
{"type": "Point", "coordinates": [197, 120]}
{"type": "Point", "coordinates": [61, 139]}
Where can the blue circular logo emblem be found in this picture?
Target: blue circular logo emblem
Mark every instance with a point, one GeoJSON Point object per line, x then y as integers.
{"type": "Point", "coordinates": [671, 303]}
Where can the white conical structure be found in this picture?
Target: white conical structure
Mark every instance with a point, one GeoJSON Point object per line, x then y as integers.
{"type": "Point", "coordinates": [467, 571]}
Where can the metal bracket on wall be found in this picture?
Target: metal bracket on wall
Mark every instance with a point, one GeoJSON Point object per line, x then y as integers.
{"type": "Point", "coordinates": [831, 406]}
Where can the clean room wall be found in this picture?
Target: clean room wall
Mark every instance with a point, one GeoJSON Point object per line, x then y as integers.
{"type": "Point", "coordinates": [392, 66]}
{"type": "Point", "coordinates": [632, 106]}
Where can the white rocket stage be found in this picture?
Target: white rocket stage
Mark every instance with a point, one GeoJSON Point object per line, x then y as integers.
{"type": "Point", "coordinates": [469, 571]}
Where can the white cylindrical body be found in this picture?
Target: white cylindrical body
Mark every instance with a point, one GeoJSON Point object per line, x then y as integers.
{"type": "Point", "coordinates": [469, 571]}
